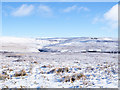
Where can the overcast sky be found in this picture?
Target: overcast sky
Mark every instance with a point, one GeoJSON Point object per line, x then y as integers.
{"type": "Point", "coordinates": [60, 19]}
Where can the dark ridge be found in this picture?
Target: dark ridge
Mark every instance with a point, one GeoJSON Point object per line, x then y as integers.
{"type": "Point", "coordinates": [113, 52]}
{"type": "Point", "coordinates": [5, 52]}
{"type": "Point", "coordinates": [16, 56]}
{"type": "Point", "coordinates": [47, 50]}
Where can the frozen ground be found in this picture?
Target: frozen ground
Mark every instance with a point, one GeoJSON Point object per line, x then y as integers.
{"type": "Point", "coordinates": [59, 63]}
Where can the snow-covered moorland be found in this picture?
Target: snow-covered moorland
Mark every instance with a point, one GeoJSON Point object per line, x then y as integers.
{"type": "Point", "coordinates": [79, 62]}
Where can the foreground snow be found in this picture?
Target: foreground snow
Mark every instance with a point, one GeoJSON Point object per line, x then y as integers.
{"type": "Point", "coordinates": [58, 70]}
{"type": "Point", "coordinates": [62, 63]}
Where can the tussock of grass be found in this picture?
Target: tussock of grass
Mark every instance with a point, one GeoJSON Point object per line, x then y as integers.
{"type": "Point", "coordinates": [73, 78]}
{"type": "Point", "coordinates": [21, 73]}
{"type": "Point", "coordinates": [58, 70]}
{"type": "Point", "coordinates": [3, 77]}
{"type": "Point", "coordinates": [61, 70]}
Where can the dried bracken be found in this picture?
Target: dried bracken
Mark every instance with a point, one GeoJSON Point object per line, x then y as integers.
{"type": "Point", "coordinates": [10, 70]}
{"type": "Point", "coordinates": [62, 70]}
{"type": "Point", "coordinates": [35, 62]}
{"type": "Point", "coordinates": [73, 77]}
{"type": "Point", "coordinates": [4, 66]}
{"type": "Point", "coordinates": [46, 66]}
{"type": "Point", "coordinates": [3, 77]}
{"type": "Point", "coordinates": [21, 73]}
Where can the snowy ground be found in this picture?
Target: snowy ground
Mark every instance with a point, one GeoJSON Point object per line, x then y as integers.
{"type": "Point", "coordinates": [64, 67]}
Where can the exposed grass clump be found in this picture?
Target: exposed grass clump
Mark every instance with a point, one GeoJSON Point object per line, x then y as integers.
{"type": "Point", "coordinates": [21, 73]}
{"type": "Point", "coordinates": [62, 70]}
{"type": "Point", "coordinates": [58, 70]}
{"type": "Point", "coordinates": [73, 77]}
{"type": "Point", "coordinates": [3, 77]}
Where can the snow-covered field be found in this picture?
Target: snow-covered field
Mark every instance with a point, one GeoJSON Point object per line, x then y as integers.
{"type": "Point", "coordinates": [80, 62]}
{"type": "Point", "coordinates": [14, 44]}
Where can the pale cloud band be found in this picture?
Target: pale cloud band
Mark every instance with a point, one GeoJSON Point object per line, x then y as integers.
{"type": "Point", "coordinates": [110, 18]}
{"type": "Point", "coordinates": [74, 7]}
{"type": "Point", "coordinates": [68, 9]}
{"type": "Point", "coordinates": [112, 14]}
{"type": "Point", "coordinates": [44, 10]}
{"type": "Point", "coordinates": [24, 10]}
